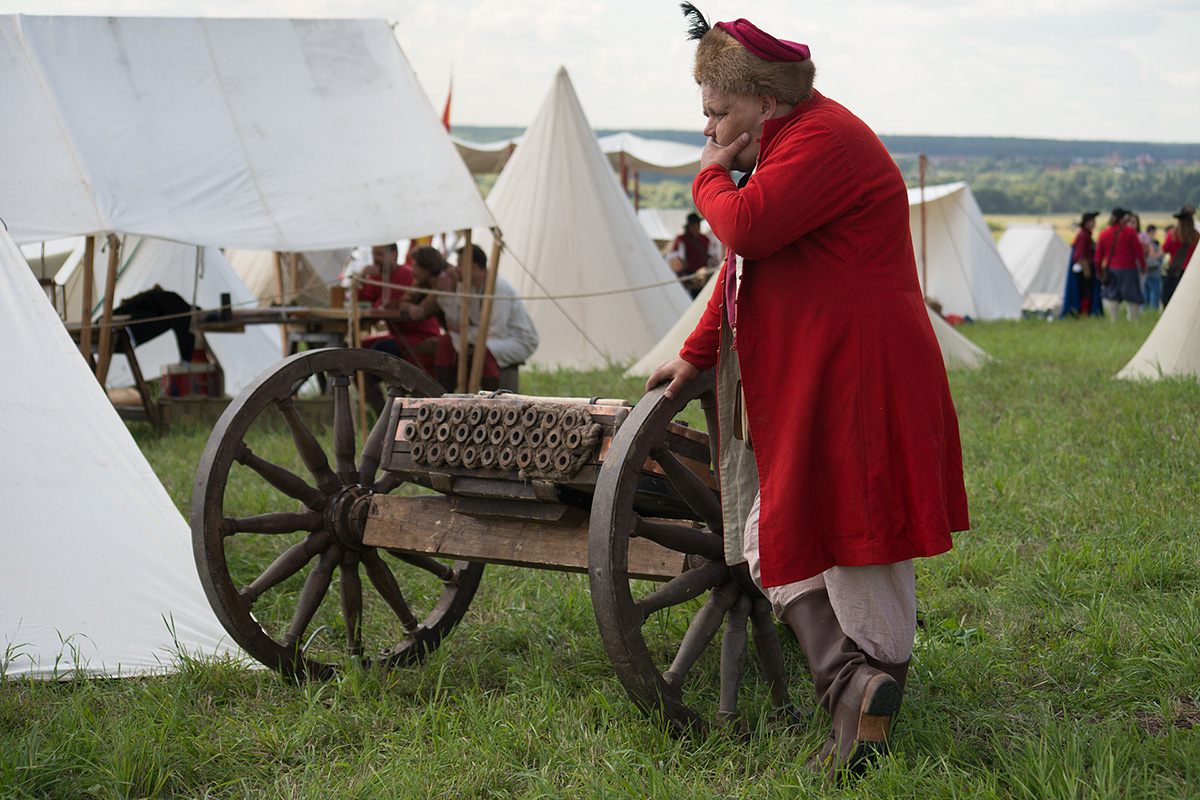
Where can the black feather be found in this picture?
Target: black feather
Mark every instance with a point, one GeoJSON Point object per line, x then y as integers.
{"type": "Point", "coordinates": [699, 26]}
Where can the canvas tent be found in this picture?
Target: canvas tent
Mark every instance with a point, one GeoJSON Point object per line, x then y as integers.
{"type": "Point", "coordinates": [963, 270]}
{"type": "Point", "coordinates": [958, 352]}
{"type": "Point", "coordinates": [97, 560]}
{"type": "Point", "coordinates": [222, 132]}
{"type": "Point", "coordinates": [1173, 347]}
{"type": "Point", "coordinates": [199, 131]}
{"type": "Point", "coordinates": [570, 231]}
{"type": "Point", "coordinates": [1037, 258]}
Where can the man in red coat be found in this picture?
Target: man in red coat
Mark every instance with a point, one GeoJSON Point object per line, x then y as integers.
{"type": "Point", "coordinates": [1122, 260]}
{"type": "Point", "coordinates": [849, 463]}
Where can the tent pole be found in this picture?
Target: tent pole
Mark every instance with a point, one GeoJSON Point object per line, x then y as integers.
{"type": "Point", "coordinates": [624, 173]}
{"type": "Point", "coordinates": [637, 190]}
{"type": "Point", "coordinates": [294, 276]}
{"type": "Point", "coordinates": [110, 286]}
{"type": "Point", "coordinates": [924, 262]}
{"type": "Point", "coordinates": [465, 267]}
{"type": "Point", "coordinates": [485, 316]}
{"type": "Point", "coordinates": [355, 340]}
{"type": "Point", "coordinates": [283, 328]}
{"type": "Point", "coordinates": [89, 290]}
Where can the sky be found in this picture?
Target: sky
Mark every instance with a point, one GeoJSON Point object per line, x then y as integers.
{"type": "Point", "coordinates": [1123, 71]}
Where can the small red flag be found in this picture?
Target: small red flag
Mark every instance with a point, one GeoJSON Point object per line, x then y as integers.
{"type": "Point", "coordinates": [446, 110]}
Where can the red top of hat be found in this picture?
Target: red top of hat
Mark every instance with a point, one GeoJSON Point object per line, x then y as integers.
{"type": "Point", "coordinates": [763, 44]}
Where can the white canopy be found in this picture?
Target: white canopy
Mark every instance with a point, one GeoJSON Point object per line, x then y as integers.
{"type": "Point", "coordinates": [1037, 258]}
{"type": "Point", "coordinates": [270, 134]}
{"type": "Point", "coordinates": [638, 153]}
{"type": "Point", "coordinates": [1173, 347]}
{"type": "Point", "coordinates": [651, 155]}
{"type": "Point", "coordinates": [97, 576]}
{"type": "Point", "coordinates": [965, 272]}
{"type": "Point", "coordinates": [571, 232]}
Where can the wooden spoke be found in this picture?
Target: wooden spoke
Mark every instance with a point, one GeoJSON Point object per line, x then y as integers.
{"type": "Point", "coordinates": [308, 447]}
{"type": "Point", "coordinates": [311, 595]}
{"type": "Point", "coordinates": [687, 586]}
{"type": "Point", "coordinates": [701, 632]}
{"type": "Point", "coordinates": [284, 480]}
{"type": "Point", "coordinates": [286, 565]}
{"type": "Point", "coordinates": [386, 484]}
{"type": "Point", "coordinates": [343, 431]}
{"type": "Point", "coordinates": [352, 603]}
{"type": "Point", "coordinates": [769, 651]}
{"type": "Point", "coordinates": [690, 487]}
{"type": "Point", "coordinates": [385, 583]}
{"type": "Point", "coordinates": [277, 522]}
{"type": "Point", "coordinates": [372, 454]}
{"type": "Point", "coordinates": [444, 572]}
{"type": "Point", "coordinates": [682, 538]}
{"type": "Point", "coordinates": [733, 658]}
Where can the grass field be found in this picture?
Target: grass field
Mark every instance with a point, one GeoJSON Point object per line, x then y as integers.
{"type": "Point", "coordinates": [1058, 654]}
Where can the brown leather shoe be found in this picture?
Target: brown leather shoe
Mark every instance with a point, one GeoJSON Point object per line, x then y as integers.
{"type": "Point", "coordinates": [862, 696]}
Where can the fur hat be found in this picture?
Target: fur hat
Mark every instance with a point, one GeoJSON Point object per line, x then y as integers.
{"type": "Point", "coordinates": [724, 62]}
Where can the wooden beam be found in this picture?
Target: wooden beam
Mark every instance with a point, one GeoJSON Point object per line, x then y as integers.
{"type": "Point", "coordinates": [426, 525]}
{"type": "Point", "coordinates": [485, 316]}
{"type": "Point", "coordinates": [89, 291]}
{"type": "Point", "coordinates": [465, 267]}
{"type": "Point", "coordinates": [105, 348]}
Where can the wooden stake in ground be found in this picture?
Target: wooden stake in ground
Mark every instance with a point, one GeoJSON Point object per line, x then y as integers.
{"type": "Point", "coordinates": [89, 290]}
{"type": "Point", "coordinates": [465, 265]}
{"type": "Point", "coordinates": [110, 286]}
{"type": "Point", "coordinates": [485, 315]}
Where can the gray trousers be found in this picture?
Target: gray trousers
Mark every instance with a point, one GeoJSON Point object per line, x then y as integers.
{"type": "Point", "coordinates": [875, 605]}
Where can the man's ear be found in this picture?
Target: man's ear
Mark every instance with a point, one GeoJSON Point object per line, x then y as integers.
{"type": "Point", "coordinates": [767, 106]}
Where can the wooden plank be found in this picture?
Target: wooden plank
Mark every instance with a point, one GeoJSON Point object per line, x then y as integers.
{"type": "Point", "coordinates": [426, 525]}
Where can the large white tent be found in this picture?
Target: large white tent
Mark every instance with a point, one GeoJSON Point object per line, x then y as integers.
{"type": "Point", "coordinates": [97, 576]}
{"type": "Point", "coordinates": [222, 132]}
{"type": "Point", "coordinates": [962, 269]}
{"type": "Point", "coordinates": [200, 275]}
{"type": "Point", "coordinates": [571, 234]}
{"type": "Point", "coordinates": [1036, 257]}
{"type": "Point", "coordinates": [1173, 347]}
{"type": "Point", "coordinates": [206, 132]}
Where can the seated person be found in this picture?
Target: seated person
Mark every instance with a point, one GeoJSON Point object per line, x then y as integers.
{"type": "Point", "coordinates": [690, 257]}
{"type": "Point", "coordinates": [410, 337]}
{"type": "Point", "coordinates": [511, 337]}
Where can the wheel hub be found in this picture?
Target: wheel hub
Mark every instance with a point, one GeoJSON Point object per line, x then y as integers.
{"type": "Point", "coordinates": [346, 516]}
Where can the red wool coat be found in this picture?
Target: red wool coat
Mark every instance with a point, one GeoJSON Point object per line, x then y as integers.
{"type": "Point", "coordinates": [855, 435]}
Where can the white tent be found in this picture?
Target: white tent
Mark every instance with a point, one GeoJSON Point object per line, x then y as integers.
{"type": "Point", "coordinates": [97, 560]}
{"type": "Point", "coordinates": [200, 275]}
{"type": "Point", "coordinates": [1036, 257]}
{"type": "Point", "coordinates": [963, 269]}
{"type": "Point", "coordinates": [317, 272]}
{"type": "Point", "coordinates": [572, 232]}
{"type": "Point", "coordinates": [1173, 347]}
{"type": "Point", "coordinates": [957, 351]}
{"type": "Point", "coordinates": [224, 132]}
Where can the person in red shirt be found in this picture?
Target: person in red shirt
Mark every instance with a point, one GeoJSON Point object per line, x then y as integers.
{"type": "Point", "coordinates": [389, 284]}
{"type": "Point", "coordinates": [689, 255]}
{"type": "Point", "coordinates": [1122, 261]}
{"type": "Point", "coordinates": [1179, 246]}
{"type": "Point", "coordinates": [1083, 261]}
{"type": "Point", "coordinates": [849, 464]}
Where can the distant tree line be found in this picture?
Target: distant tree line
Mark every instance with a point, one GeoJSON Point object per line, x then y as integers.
{"type": "Point", "coordinates": [1007, 176]}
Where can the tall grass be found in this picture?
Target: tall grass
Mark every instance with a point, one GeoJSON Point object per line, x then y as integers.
{"type": "Point", "coordinates": [1058, 654]}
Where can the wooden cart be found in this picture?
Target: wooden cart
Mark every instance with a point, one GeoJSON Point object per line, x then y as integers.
{"type": "Point", "coordinates": [623, 493]}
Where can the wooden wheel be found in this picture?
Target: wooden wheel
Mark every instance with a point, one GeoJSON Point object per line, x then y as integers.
{"type": "Point", "coordinates": [268, 541]}
{"type": "Point", "coordinates": [659, 636]}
